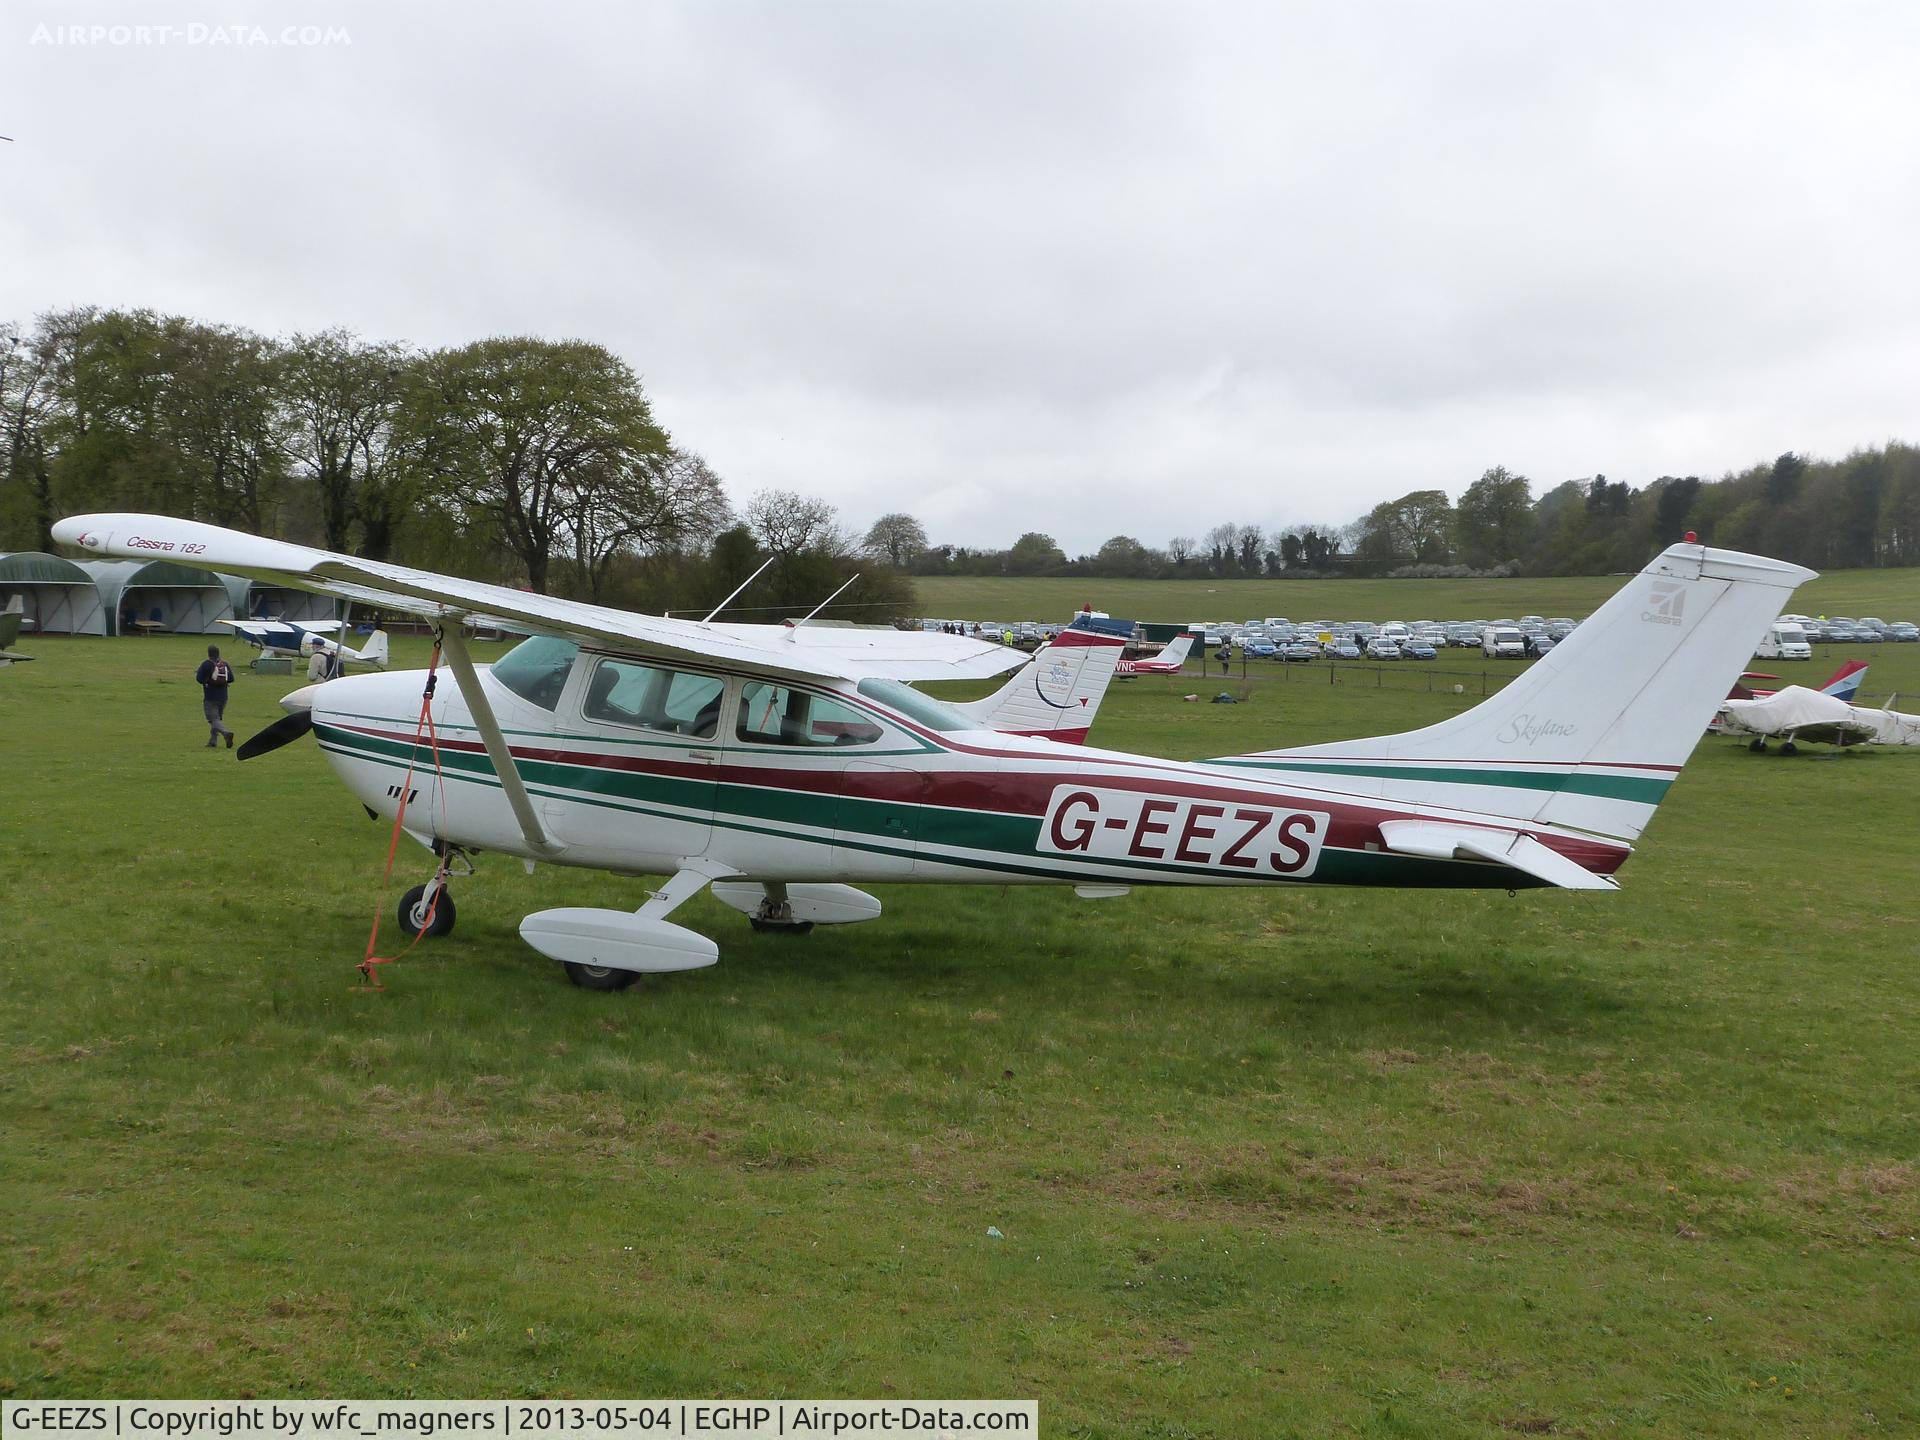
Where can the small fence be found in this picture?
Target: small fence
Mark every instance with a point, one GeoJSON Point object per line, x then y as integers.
{"type": "Point", "coordinates": [1433, 676]}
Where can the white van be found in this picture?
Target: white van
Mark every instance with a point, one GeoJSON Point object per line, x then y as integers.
{"type": "Point", "coordinates": [1785, 640]}
{"type": "Point", "coordinates": [1503, 642]}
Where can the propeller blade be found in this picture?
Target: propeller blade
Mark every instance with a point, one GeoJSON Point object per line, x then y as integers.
{"type": "Point", "coordinates": [283, 731]}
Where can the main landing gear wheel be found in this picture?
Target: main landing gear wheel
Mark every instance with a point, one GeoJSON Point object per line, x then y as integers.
{"type": "Point", "coordinates": [1789, 748]}
{"type": "Point", "coordinates": [413, 913]}
{"type": "Point", "coordinates": [780, 927]}
{"type": "Point", "coordinates": [1759, 747]}
{"type": "Point", "coordinates": [598, 977]}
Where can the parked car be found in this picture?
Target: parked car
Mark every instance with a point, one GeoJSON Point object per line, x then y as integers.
{"type": "Point", "coordinates": [1261, 649]}
{"type": "Point", "coordinates": [1502, 642]}
{"type": "Point", "coordinates": [1342, 647]}
{"type": "Point", "coordinates": [1903, 630]}
{"type": "Point", "coordinates": [1297, 651]}
{"type": "Point", "coordinates": [1786, 640]}
{"type": "Point", "coordinates": [1379, 647]}
{"type": "Point", "coordinates": [1417, 649]}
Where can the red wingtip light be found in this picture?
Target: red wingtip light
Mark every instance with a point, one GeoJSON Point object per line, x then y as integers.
{"type": "Point", "coordinates": [1692, 539]}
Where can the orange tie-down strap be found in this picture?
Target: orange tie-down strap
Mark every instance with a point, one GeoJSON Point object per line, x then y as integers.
{"type": "Point", "coordinates": [423, 726]}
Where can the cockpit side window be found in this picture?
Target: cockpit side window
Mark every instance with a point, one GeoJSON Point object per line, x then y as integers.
{"type": "Point", "coordinates": [781, 715]}
{"type": "Point", "coordinates": [537, 668]}
{"type": "Point", "coordinates": [674, 702]}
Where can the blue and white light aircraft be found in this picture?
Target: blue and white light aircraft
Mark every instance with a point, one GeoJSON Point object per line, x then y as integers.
{"type": "Point", "coordinates": [300, 638]}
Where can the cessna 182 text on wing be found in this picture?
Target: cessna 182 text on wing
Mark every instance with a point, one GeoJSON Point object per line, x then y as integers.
{"type": "Point", "coordinates": [777, 763]}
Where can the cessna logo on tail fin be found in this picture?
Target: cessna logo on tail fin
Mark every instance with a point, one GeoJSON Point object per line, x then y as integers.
{"type": "Point", "coordinates": [1667, 603]}
{"type": "Point", "coordinates": [1055, 680]}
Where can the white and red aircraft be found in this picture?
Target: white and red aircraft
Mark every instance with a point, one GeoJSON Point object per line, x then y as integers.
{"type": "Point", "coordinates": [1821, 717]}
{"type": "Point", "coordinates": [1168, 662]}
{"type": "Point", "coordinates": [1844, 685]}
{"type": "Point", "coordinates": [776, 763]}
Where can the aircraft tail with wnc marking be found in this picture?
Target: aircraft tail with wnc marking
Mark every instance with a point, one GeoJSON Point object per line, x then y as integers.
{"type": "Point", "coordinates": [1591, 735]}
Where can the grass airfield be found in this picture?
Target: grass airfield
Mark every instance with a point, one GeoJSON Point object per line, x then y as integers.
{"type": "Point", "coordinates": [1890, 594]}
{"type": "Point", "coordinates": [1265, 1162]}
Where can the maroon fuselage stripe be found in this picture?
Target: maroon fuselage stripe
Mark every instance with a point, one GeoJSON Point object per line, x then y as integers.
{"type": "Point", "coordinates": [1353, 825]}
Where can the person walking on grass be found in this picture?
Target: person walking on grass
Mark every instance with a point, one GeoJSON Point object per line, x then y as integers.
{"type": "Point", "coordinates": [214, 676]}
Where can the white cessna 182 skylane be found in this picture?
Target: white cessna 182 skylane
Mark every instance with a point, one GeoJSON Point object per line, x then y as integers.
{"type": "Point", "coordinates": [774, 763]}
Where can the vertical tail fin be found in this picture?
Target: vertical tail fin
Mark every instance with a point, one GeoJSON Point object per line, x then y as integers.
{"type": "Point", "coordinates": [374, 652]}
{"type": "Point", "coordinates": [1167, 662]}
{"type": "Point", "coordinates": [1058, 694]}
{"type": "Point", "coordinates": [1589, 736]}
{"type": "Point", "coordinates": [1846, 681]}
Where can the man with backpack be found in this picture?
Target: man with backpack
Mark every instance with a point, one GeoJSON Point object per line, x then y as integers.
{"type": "Point", "coordinates": [214, 676]}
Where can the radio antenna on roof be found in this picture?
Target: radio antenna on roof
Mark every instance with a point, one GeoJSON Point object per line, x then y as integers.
{"type": "Point", "coordinates": [795, 630]}
{"type": "Point", "coordinates": [743, 585]}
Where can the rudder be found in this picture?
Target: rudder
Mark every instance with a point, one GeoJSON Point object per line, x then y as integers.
{"type": "Point", "coordinates": [1591, 735]}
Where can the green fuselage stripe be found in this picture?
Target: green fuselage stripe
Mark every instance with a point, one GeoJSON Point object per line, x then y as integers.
{"type": "Point", "coordinates": [1007, 844]}
{"type": "Point", "coordinates": [1645, 789]}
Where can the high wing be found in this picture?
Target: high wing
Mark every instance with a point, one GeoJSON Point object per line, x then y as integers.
{"type": "Point", "coordinates": [803, 652]}
{"type": "Point", "coordinates": [258, 628]}
{"type": "Point", "coordinates": [1890, 726]}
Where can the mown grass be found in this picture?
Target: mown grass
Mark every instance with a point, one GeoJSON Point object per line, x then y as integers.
{"type": "Point", "coordinates": [1266, 1163]}
{"type": "Point", "coordinates": [1889, 594]}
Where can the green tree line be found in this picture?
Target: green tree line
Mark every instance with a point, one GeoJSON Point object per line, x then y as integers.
{"type": "Point", "coordinates": [535, 462]}
{"type": "Point", "coordinates": [1856, 513]}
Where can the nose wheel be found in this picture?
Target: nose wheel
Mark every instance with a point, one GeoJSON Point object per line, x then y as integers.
{"type": "Point", "coordinates": [427, 910]}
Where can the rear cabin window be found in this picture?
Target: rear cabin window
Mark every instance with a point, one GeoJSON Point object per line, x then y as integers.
{"type": "Point", "coordinates": [932, 713]}
{"type": "Point", "coordinates": [674, 702]}
{"type": "Point", "coordinates": [777, 715]}
{"type": "Point", "coordinates": [536, 669]}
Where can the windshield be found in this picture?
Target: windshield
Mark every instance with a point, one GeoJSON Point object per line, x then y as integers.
{"type": "Point", "coordinates": [536, 669]}
{"type": "Point", "coordinates": [932, 713]}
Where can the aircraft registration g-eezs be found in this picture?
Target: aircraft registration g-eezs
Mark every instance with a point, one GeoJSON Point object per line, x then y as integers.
{"type": "Point", "coordinates": [777, 763]}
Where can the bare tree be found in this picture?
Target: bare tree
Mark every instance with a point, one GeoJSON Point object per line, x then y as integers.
{"type": "Point", "coordinates": [646, 508]}
{"type": "Point", "coordinates": [1180, 549]}
{"type": "Point", "coordinates": [787, 522]}
{"type": "Point", "coordinates": [339, 395]}
{"type": "Point", "coordinates": [1222, 542]}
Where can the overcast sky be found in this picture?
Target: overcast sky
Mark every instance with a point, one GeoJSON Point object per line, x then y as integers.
{"type": "Point", "coordinates": [1082, 268]}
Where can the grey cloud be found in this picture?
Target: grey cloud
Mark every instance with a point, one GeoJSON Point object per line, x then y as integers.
{"type": "Point", "coordinates": [1224, 260]}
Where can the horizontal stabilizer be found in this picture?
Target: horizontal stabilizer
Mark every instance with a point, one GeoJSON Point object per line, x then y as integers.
{"type": "Point", "coordinates": [1435, 840]}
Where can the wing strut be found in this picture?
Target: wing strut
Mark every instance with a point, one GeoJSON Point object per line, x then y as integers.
{"type": "Point", "coordinates": [483, 720]}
